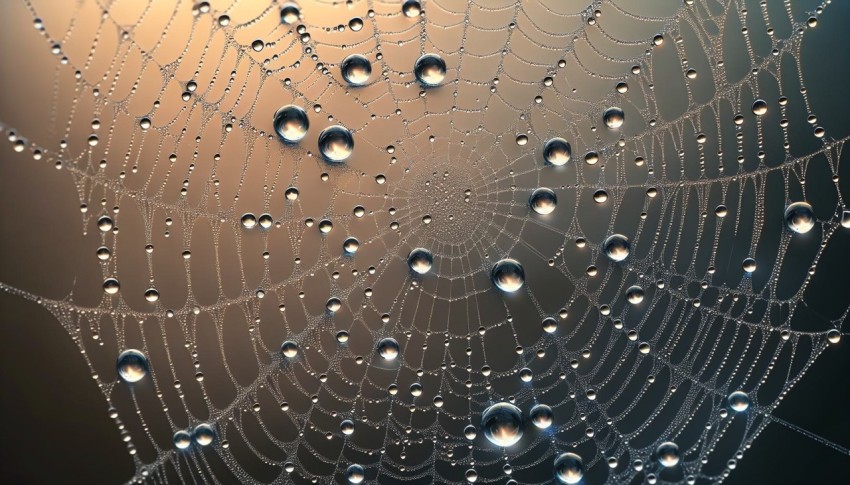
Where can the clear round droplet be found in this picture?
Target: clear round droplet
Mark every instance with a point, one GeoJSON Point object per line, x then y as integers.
{"type": "Point", "coordinates": [355, 474]}
{"type": "Point", "coordinates": [749, 265]}
{"type": "Point", "coordinates": [569, 468]}
{"type": "Point", "coordinates": [257, 45]}
{"type": "Point", "coordinates": [508, 275]}
{"type": "Point", "coordinates": [542, 416]}
{"type": "Point", "coordinates": [557, 151]}
{"type": "Point", "coordinates": [336, 143]}
{"type": "Point", "coordinates": [470, 432]}
{"type": "Point", "coordinates": [614, 117]}
{"type": "Point", "coordinates": [182, 439]}
{"type": "Point", "coordinates": [411, 8]}
{"type": "Point", "coordinates": [799, 217]}
{"type": "Point", "coordinates": [543, 200]}
{"type": "Point", "coordinates": [634, 294]}
{"type": "Point", "coordinates": [351, 245]}
{"type": "Point", "coordinates": [420, 260]}
{"type": "Point", "coordinates": [356, 69]}
{"type": "Point", "coordinates": [248, 220]}
{"type": "Point", "coordinates": [617, 247]}
{"type": "Point", "coordinates": [333, 305]}
{"type": "Point", "coordinates": [355, 24]}
{"type": "Point", "coordinates": [132, 365]}
{"type": "Point", "coordinates": [668, 454]}
{"type": "Point", "coordinates": [759, 107]}
{"type": "Point", "coordinates": [550, 325]}
{"type": "Point", "coordinates": [739, 401]}
{"type": "Point", "coordinates": [600, 196]}
{"type": "Point", "coordinates": [111, 286]}
{"type": "Point", "coordinates": [289, 349]}
{"type": "Point", "coordinates": [430, 70]}
{"type": "Point", "coordinates": [347, 427]}
{"type": "Point", "coordinates": [388, 348]}
{"type": "Point", "coordinates": [203, 434]}
{"type": "Point", "coordinates": [289, 13]}
{"type": "Point", "coordinates": [104, 223]}
{"type": "Point", "coordinates": [845, 219]}
{"type": "Point", "coordinates": [502, 424]}
{"type": "Point", "coordinates": [291, 123]}
{"type": "Point", "coordinates": [151, 295]}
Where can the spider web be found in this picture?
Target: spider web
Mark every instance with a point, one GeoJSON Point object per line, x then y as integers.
{"type": "Point", "coordinates": [450, 169]}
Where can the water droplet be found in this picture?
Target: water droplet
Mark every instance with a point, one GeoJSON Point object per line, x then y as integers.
{"type": "Point", "coordinates": [248, 220]}
{"type": "Point", "coordinates": [291, 193]}
{"type": "Point", "coordinates": [111, 286]}
{"type": "Point", "coordinates": [182, 439]}
{"type": "Point", "coordinates": [336, 143]}
{"type": "Point", "coordinates": [289, 349]}
{"type": "Point", "coordinates": [521, 140]}
{"type": "Point", "coordinates": [151, 295]}
{"type": "Point", "coordinates": [508, 275]}
{"type": "Point", "coordinates": [342, 336]}
{"type": "Point", "coordinates": [471, 476]}
{"type": "Point", "coordinates": [759, 107]}
{"type": "Point", "coordinates": [721, 211]}
{"type": "Point", "coordinates": [739, 401]}
{"type": "Point", "coordinates": [347, 427]}
{"type": "Point", "coordinates": [132, 365]}
{"type": "Point", "coordinates": [502, 424]}
{"type": "Point", "coordinates": [634, 295]}
{"type": "Point", "coordinates": [257, 45]}
{"type": "Point", "coordinates": [617, 247]}
{"type": "Point", "coordinates": [543, 200]}
{"type": "Point", "coordinates": [145, 123]}
{"type": "Point", "coordinates": [542, 416]}
{"type": "Point", "coordinates": [103, 253]}
{"type": "Point", "coordinates": [470, 432]}
{"type": "Point", "coordinates": [356, 69]}
{"type": "Point", "coordinates": [834, 336]}
{"type": "Point", "coordinates": [388, 348]}
{"type": "Point", "coordinates": [600, 196]}
{"type": "Point", "coordinates": [668, 454]}
{"type": "Point", "coordinates": [557, 151]}
{"type": "Point", "coordinates": [420, 260]}
{"type": "Point", "coordinates": [203, 434]}
{"type": "Point", "coordinates": [104, 223]}
{"type": "Point", "coordinates": [749, 265]}
{"type": "Point", "coordinates": [799, 217]}
{"type": "Point", "coordinates": [265, 221]}
{"type": "Point", "coordinates": [289, 13]}
{"type": "Point", "coordinates": [430, 70]}
{"type": "Point", "coordinates": [525, 374]}
{"type": "Point", "coordinates": [411, 8]}
{"type": "Point", "coordinates": [351, 245]}
{"type": "Point", "coordinates": [355, 474]}
{"type": "Point", "coordinates": [333, 305]}
{"type": "Point", "coordinates": [569, 468]}
{"type": "Point", "coordinates": [550, 325]}
{"type": "Point", "coordinates": [355, 24]}
{"type": "Point", "coordinates": [845, 219]}
{"type": "Point", "coordinates": [614, 117]}
{"type": "Point", "coordinates": [325, 226]}
{"type": "Point", "coordinates": [291, 123]}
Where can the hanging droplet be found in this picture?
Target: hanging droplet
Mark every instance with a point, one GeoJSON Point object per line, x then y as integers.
{"type": "Point", "coordinates": [289, 13]}
{"type": "Point", "coordinates": [617, 247]}
{"type": "Point", "coordinates": [203, 434]}
{"type": "Point", "coordinates": [845, 219]}
{"type": "Point", "coordinates": [325, 226]}
{"type": "Point", "coordinates": [470, 432]}
{"type": "Point", "coordinates": [634, 294]}
{"type": "Point", "coordinates": [104, 223]}
{"type": "Point", "coordinates": [111, 286]}
{"type": "Point", "coordinates": [182, 439]}
{"type": "Point", "coordinates": [336, 143]}
{"type": "Point", "coordinates": [508, 275]}
{"type": "Point", "coordinates": [721, 211]}
{"type": "Point", "coordinates": [471, 476]}
{"type": "Point", "coordinates": [759, 107]}
{"type": "Point", "coordinates": [289, 349]}
{"type": "Point", "coordinates": [355, 24]}
{"type": "Point", "coordinates": [614, 117]}
{"type": "Point", "coordinates": [265, 221]}
{"type": "Point", "coordinates": [430, 70]}
{"type": "Point", "coordinates": [502, 424]}
{"type": "Point", "coordinates": [521, 139]}
{"type": "Point", "coordinates": [420, 260]}
{"type": "Point", "coordinates": [291, 193]}
{"type": "Point", "coordinates": [799, 217]}
{"type": "Point", "coordinates": [543, 200]}
{"type": "Point", "coordinates": [351, 245]}
{"type": "Point", "coordinates": [569, 468]}
{"type": "Point", "coordinates": [525, 374]}
{"type": "Point", "coordinates": [248, 220]}
{"type": "Point", "coordinates": [347, 427]}
{"type": "Point", "coordinates": [600, 196]}
{"type": "Point", "coordinates": [356, 69]}
{"type": "Point", "coordinates": [151, 295]}
{"type": "Point", "coordinates": [333, 305]}
{"type": "Point", "coordinates": [355, 474]}
{"type": "Point", "coordinates": [550, 325]}
{"type": "Point", "coordinates": [291, 123]}
{"type": "Point", "coordinates": [257, 45]}
{"type": "Point", "coordinates": [668, 454]}
{"type": "Point", "coordinates": [542, 416]}
{"type": "Point", "coordinates": [411, 8]}
{"type": "Point", "coordinates": [132, 365]}
{"type": "Point", "coordinates": [557, 151]}
{"type": "Point", "coordinates": [388, 348]}
{"type": "Point", "coordinates": [749, 265]}
{"type": "Point", "coordinates": [342, 336]}
{"type": "Point", "coordinates": [739, 401]}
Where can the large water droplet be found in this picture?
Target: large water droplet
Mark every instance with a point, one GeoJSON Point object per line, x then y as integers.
{"type": "Point", "coordinates": [634, 294]}
{"type": "Point", "coordinates": [557, 151]}
{"type": "Point", "coordinates": [614, 117]}
{"type": "Point", "coordinates": [668, 454]}
{"type": "Point", "coordinates": [430, 70]}
{"type": "Point", "coordinates": [291, 123]}
{"type": "Point", "coordinates": [289, 13]}
{"type": "Point", "coordinates": [543, 200]}
{"type": "Point", "coordinates": [132, 365]}
{"type": "Point", "coordinates": [111, 286]}
{"type": "Point", "coordinates": [347, 427]}
{"type": "Point", "coordinates": [182, 439]}
{"type": "Point", "coordinates": [355, 474]}
{"type": "Point", "coordinates": [411, 8]}
{"type": "Point", "coordinates": [336, 143]}
{"type": "Point", "coordinates": [351, 245]}
{"type": "Point", "coordinates": [502, 424]}
{"type": "Point", "coordinates": [759, 107]}
{"type": "Point", "coordinates": [289, 349]}
{"type": "Point", "coordinates": [617, 247]}
{"type": "Point", "coordinates": [569, 468]}
{"type": "Point", "coordinates": [203, 434]}
{"type": "Point", "coordinates": [542, 416]}
{"type": "Point", "coordinates": [749, 265]}
{"type": "Point", "coordinates": [508, 275]}
{"type": "Point", "coordinates": [356, 69]}
{"type": "Point", "coordinates": [420, 260]}
{"type": "Point", "coordinates": [799, 217]}
{"type": "Point", "coordinates": [739, 401]}
{"type": "Point", "coordinates": [388, 348]}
